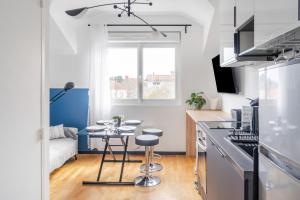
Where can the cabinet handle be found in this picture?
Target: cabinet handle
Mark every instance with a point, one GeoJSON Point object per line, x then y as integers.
{"type": "Point", "coordinates": [298, 9]}
{"type": "Point", "coordinates": [220, 152]}
{"type": "Point", "coordinates": [234, 16]}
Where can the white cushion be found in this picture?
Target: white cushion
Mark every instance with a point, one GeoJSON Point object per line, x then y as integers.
{"type": "Point", "coordinates": [56, 132]}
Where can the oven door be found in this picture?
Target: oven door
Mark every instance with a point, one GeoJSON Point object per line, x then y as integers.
{"type": "Point", "coordinates": [201, 169]}
{"type": "Point", "coordinates": [201, 140]}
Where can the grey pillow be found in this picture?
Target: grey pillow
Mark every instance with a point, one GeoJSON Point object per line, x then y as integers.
{"type": "Point", "coordinates": [71, 132]}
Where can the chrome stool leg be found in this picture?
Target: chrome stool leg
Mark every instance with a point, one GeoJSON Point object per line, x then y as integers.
{"type": "Point", "coordinates": [147, 180]}
{"type": "Point", "coordinates": [153, 167]}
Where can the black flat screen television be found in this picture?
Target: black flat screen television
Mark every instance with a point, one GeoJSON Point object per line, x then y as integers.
{"type": "Point", "coordinates": [224, 77]}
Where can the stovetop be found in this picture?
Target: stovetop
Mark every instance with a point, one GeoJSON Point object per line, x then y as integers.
{"type": "Point", "coordinates": [246, 141]}
{"type": "Point", "coordinates": [222, 124]}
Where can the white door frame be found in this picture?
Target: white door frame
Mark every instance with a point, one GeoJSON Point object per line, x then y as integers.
{"type": "Point", "coordinates": [45, 186]}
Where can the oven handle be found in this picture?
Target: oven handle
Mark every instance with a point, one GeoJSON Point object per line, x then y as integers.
{"type": "Point", "coordinates": [211, 141]}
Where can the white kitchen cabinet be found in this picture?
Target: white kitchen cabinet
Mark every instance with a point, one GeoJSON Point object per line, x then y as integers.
{"type": "Point", "coordinates": [226, 43]}
{"type": "Point", "coordinates": [227, 12]}
{"type": "Point", "coordinates": [227, 30]}
{"type": "Point", "coordinates": [244, 11]}
{"type": "Point", "coordinates": [273, 18]}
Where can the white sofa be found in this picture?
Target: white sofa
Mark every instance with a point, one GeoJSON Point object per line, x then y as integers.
{"type": "Point", "coordinates": [61, 150]}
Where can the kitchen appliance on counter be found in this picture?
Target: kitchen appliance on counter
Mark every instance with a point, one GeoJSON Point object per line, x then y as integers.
{"type": "Point", "coordinates": [236, 115]}
{"type": "Point", "coordinates": [279, 138]}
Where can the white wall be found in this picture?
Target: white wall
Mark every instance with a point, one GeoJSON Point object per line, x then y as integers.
{"type": "Point", "coordinates": [195, 75]}
{"type": "Point", "coordinates": [65, 64]}
{"type": "Point", "coordinates": [247, 80]}
{"type": "Point", "coordinates": [20, 102]}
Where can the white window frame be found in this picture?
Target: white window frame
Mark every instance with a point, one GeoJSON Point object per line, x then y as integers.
{"type": "Point", "coordinates": [149, 102]}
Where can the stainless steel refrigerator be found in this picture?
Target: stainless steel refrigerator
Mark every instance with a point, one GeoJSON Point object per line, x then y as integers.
{"type": "Point", "coordinates": [279, 132]}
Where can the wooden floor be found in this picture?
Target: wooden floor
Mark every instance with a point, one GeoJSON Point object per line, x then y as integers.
{"type": "Point", "coordinates": [177, 180]}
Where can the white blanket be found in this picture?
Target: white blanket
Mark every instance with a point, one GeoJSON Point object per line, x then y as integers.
{"type": "Point", "coordinates": [61, 150]}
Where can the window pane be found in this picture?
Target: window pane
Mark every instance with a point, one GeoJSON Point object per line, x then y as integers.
{"type": "Point", "coordinates": [159, 73]}
{"type": "Point", "coordinates": [122, 67]}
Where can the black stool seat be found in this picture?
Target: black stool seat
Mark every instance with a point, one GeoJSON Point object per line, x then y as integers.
{"type": "Point", "coordinates": [153, 131]}
{"type": "Point", "coordinates": [147, 140]}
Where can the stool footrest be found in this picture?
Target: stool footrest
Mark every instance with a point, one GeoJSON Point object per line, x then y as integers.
{"type": "Point", "coordinates": [107, 183]}
{"type": "Point", "coordinates": [157, 156]}
{"type": "Point", "coordinates": [128, 161]}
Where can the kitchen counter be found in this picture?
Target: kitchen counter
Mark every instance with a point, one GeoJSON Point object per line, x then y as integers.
{"type": "Point", "coordinates": [208, 115]}
{"type": "Point", "coordinates": [195, 116]}
{"type": "Point", "coordinates": [241, 161]}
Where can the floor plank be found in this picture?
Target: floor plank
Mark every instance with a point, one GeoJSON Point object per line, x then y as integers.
{"type": "Point", "coordinates": [177, 180]}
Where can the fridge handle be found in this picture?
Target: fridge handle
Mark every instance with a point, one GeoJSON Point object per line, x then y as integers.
{"type": "Point", "coordinates": [285, 165]}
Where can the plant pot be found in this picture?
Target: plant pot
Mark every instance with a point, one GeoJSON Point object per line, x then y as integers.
{"type": "Point", "coordinates": [198, 107]}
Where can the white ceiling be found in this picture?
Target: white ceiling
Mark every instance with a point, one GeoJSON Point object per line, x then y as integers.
{"type": "Point", "coordinates": [199, 11]}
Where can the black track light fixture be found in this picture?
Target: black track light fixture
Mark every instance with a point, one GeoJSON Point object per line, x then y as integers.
{"type": "Point", "coordinates": [124, 7]}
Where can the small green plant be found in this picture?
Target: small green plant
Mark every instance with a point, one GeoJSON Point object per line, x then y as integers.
{"type": "Point", "coordinates": [116, 117]}
{"type": "Point", "coordinates": [196, 100]}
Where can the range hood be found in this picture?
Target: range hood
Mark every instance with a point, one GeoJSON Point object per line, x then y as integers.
{"type": "Point", "coordinates": [242, 61]}
{"type": "Point", "coordinates": [245, 52]}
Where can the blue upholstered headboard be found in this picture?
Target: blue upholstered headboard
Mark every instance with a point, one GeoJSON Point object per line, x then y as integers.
{"type": "Point", "coordinates": [71, 110]}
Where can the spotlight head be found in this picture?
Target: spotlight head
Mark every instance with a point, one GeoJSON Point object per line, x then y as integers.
{"type": "Point", "coordinates": [115, 6]}
{"type": "Point", "coordinates": [150, 4]}
{"type": "Point", "coordinates": [69, 86]}
{"type": "Point", "coordinates": [75, 12]}
{"type": "Point", "coordinates": [119, 15]}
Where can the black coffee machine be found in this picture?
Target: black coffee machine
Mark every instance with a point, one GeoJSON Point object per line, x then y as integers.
{"type": "Point", "coordinates": [236, 115]}
{"type": "Point", "coordinates": [254, 103]}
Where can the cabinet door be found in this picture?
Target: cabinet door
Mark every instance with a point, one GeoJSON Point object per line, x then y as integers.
{"type": "Point", "coordinates": [273, 18]}
{"type": "Point", "coordinates": [227, 12]}
{"type": "Point", "coordinates": [226, 43]}
{"type": "Point", "coordinates": [223, 181]}
{"type": "Point", "coordinates": [244, 11]}
{"type": "Point", "coordinates": [213, 170]}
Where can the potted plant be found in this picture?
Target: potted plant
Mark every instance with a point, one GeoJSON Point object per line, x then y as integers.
{"type": "Point", "coordinates": [117, 120]}
{"type": "Point", "coordinates": [197, 100]}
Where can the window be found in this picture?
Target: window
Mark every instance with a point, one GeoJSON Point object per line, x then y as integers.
{"type": "Point", "coordinates": [122, 67]}
{"type": "Point", "coordinates": [159, 73]}
{"type": "Point", "coordinates": [142, 72]}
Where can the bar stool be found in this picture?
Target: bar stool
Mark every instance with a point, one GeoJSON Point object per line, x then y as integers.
{"type": "Point", "coordinates": [148, 141]}
{"type": "Point", "coordinates": [154, 167]}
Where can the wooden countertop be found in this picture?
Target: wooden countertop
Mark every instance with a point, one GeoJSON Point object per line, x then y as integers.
{"type": "Point", "coordinates": [195, 116]}
{"type": "Point", "coordinates": [208, 115]}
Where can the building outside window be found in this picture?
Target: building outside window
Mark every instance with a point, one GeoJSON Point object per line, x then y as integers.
{"type": "Point", "coordinates": [142, 72]}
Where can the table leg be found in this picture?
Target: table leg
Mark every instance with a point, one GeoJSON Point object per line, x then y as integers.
{"type": "Point", "coordinates": [123, 142]}
{"type": "Point", "coordinates": [111, 152]}
{"type": "Point", "coordinates": [124, 157]}
{"type": "Point", "coordinates": [103, 158]}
